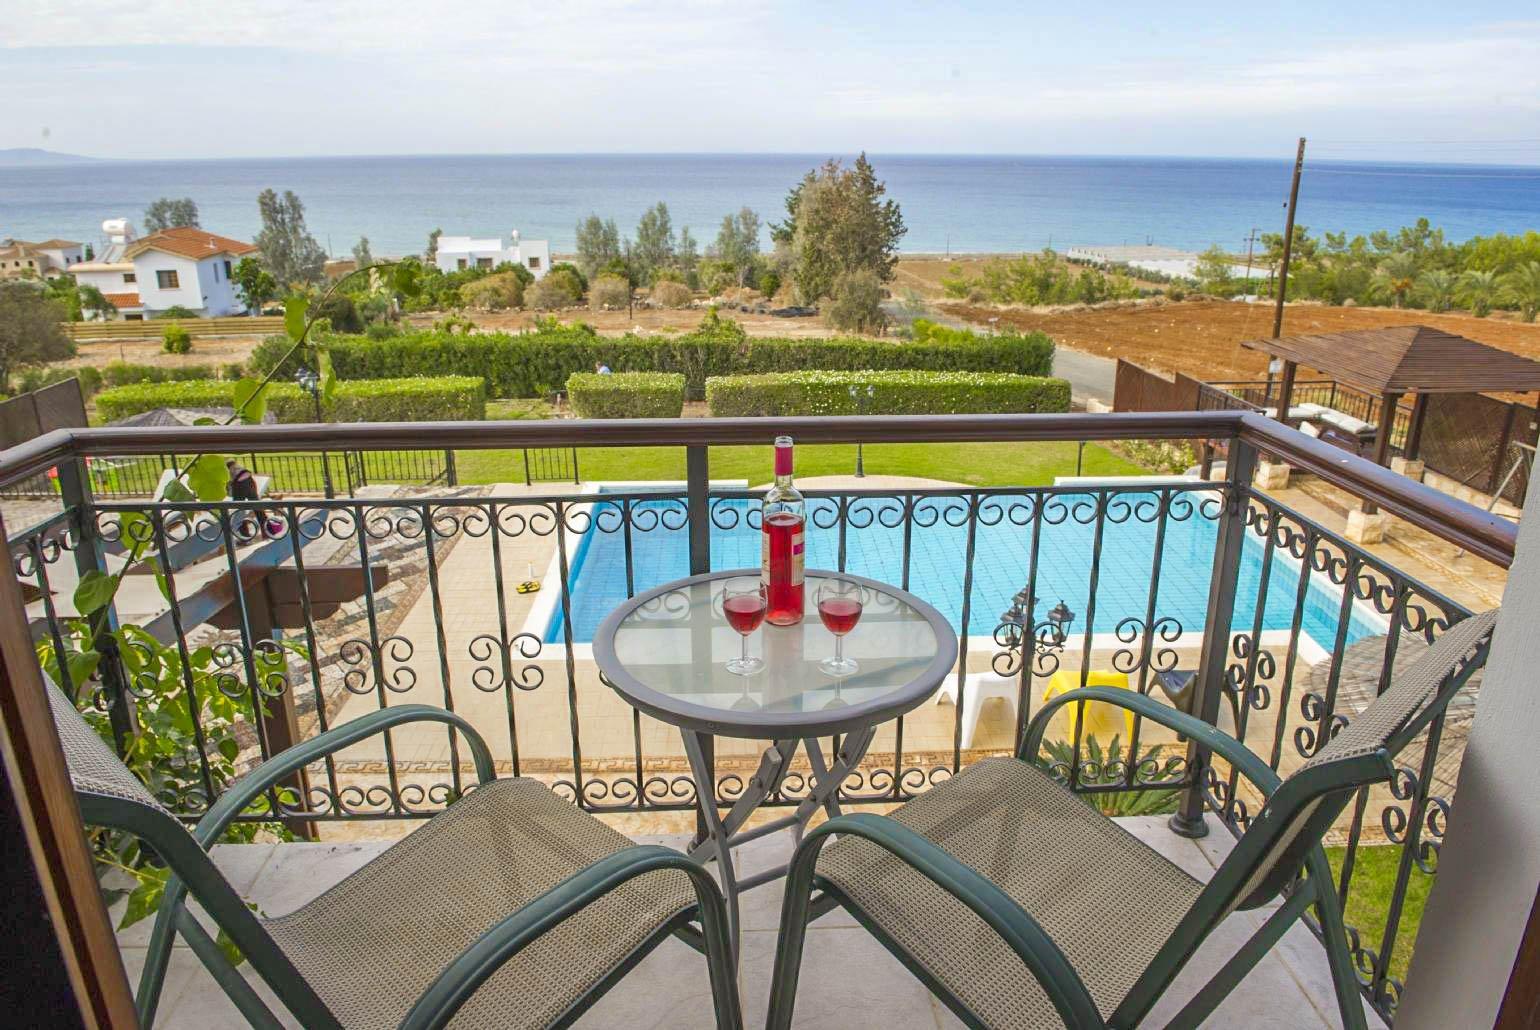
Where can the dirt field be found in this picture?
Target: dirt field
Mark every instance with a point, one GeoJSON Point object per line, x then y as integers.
{"type": "Point", "coordinates": [1202, 338]}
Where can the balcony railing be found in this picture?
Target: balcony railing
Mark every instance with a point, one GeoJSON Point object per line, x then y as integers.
{"type": "Point", "coordinates": [311, 612]}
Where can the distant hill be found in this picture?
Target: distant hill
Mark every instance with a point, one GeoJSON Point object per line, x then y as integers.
{"type": "Point", "coordinates": [17, 157]}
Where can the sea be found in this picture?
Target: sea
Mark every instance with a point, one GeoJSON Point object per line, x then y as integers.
{"type": "Point", "coordinates": [951, 204]}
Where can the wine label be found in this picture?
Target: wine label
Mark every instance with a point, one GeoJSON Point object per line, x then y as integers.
{"type": "Point", "coordinates": [797, 559]}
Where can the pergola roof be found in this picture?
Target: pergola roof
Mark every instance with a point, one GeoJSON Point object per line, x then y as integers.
{"type": "Point", "coordinates": [1407, 358]}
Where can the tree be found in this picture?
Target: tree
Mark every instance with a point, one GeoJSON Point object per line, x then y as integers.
{"type": "Point", "coordinates": [856, 306]}
{"type": "Point", "coordinates": [1479, 289]}
{"type": "Point", "coordinates": [654, 246]}
{"type": "Point", "coordinates": [29, 329]}
{"type": "Point", "coordinates": [288, 250]}
{"type": "Point", "coordinates": [1395, 277]}
{"type": "Point", "coordinates": [598, 243]}
{"type": "Point", "coordinates": [1437, 287]}
{"type": "Point", "coordinates": [361, 256]}
{"type": "Point", "coordinates": [841, 223]}
{"type": "Point", "coordinates": [255, 283]}
{"type": "Point", "coordinates": [687, 255]}
{"type": "Point", "coordinates": [1212, 270]}
{"type": "Point", "coordinates": [1522, 288]}
{"type": "Point", "coordinates": [430, 255]}
{"type": "Point", "coordinates": [737, 244]}
{"type": "Point", "coordinates": [94, 302]}
{"type": "Point", "coordinates": [169, 213]}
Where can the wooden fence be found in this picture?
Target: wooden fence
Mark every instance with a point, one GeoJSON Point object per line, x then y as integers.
{"type": "Point", "coordinates": [151, 329]}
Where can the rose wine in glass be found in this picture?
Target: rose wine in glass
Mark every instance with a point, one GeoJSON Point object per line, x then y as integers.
{"type": "Point", "coordinates": [744, 606]}
{"type": "Point", "coordinates": [839, 607]}
{"type": "Point", "coordinates": [782, 546]}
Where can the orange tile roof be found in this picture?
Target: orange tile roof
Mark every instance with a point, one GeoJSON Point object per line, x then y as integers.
{"type": "Point", "coordinates": [190, 243]}
{"type": "Point", "coordinates": [122, 300]}
{"type": "Point", "coordinates": [54, 244]}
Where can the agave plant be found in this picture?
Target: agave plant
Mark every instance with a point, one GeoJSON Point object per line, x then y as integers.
{"type": "Point", "coordinates": [1106, 766]}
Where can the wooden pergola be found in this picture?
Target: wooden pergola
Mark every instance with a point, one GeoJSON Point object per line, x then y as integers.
{"type": "Point", "coordinates": [1393, 362]}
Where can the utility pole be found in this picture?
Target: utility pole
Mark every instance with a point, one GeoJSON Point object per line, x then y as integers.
{"type": "Point", "coordinates": [1251, 242]}
{"type": "Point", "coordinates": [1288, 242]}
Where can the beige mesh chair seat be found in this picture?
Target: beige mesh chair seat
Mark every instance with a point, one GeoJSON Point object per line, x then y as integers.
{"type": "Point", "coordinates": [511, 908]}
{"type": "Point", "coordinates": [1021, 906]}
{"type": "Point", "coordinates": [1107, 899]}
{"type": "Point", "coordinates": [373, 943]}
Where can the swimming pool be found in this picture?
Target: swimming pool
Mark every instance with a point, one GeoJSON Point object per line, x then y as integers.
{"type": "Point", "coordinates": [1000, 567]}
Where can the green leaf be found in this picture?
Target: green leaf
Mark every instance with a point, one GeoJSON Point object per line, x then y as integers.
{"type": "Point", "coordinates": [94, 592]}
{"type": "Point", "coordinates": [405, 280]}
{"type": "Point", "coordinates": [294, 317]}
{"type": "Point", "coordinates": [323, 357]}
{"type": "Point", "coordinates": [230, 948]}
{"type": "Point", "coordinates": [229, 748]}
{"type": "Point", "coordinates": [178, 492]}
{"type": "Point", "coordinates": [160, 578]}
{"type": "Point", "coordinates": [145, 898]}
{"type": "Point", "coordinates": [134, 526]}
{"type": "Point", "coordinates": [205, 420]}
{"type": "Point", "coordinates": [208, 478]}
{"type": "Point", "coordinates": [81, 665]}
{"type": "Point", "coordinates": [250, 402]}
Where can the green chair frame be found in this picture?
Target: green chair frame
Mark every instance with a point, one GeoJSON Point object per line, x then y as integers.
{"type": "Point", "coordinates": [1283, 841]}
{"type": "Point", "coordinates": [194, 872]}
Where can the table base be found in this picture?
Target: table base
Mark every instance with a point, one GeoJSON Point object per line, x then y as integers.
{"type": "Point", "coordinates": [721, 833]}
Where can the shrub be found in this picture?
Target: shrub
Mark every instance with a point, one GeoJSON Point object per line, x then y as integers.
{"type": "Point", "coordinates": [176, 311]}
{"type": "Point", "coordinates": [494, 293]}
{"type": "Point", "coordinates": [382, 330]}
{"type": "Point", "coordinates": [609, 293]}
{"type": "Point", "coordinates": [36, 378]}
{"type": "Point", "coordinates": [856, 303]}
{"type": "Point", "coordinates": [175, 339]}
{"type": "Point", "coordinates": [121, 373]}
{"type": "Point", "coordinates": [626, 394]}
{"type": "Point", "coordinates": [669, 294]}
{"type": "Point", "coordinates": [376, 400]}
{"type": "Point", "coordinates": [266, 355]}
{"type": "Point", "coordinates": [538, 362]}
{"type": "Point", "coordinates": [571, 271]}
{"type": "Point", "coordinates": [893, 393]}
{"type": "Point", "coordinates": [343, 314]}
{"type": "Point", "coordinates": [232, 370]}
{"type": "Point", "coordinates": [552, 292]}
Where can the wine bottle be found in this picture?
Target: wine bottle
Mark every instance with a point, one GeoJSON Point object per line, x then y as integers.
{"type": "Point", "coordinates": [784, 521]}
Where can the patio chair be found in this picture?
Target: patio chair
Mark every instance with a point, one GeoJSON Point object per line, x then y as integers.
{"type": "Point", "coordinates": [1019, 905]}
{"type": "Point", "coordinates": [511, 908]}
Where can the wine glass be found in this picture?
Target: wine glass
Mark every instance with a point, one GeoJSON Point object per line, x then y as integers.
{"type": "Point", "coordinates": [839, 606]}
{"type": "Point", "coordinates": [744, 606]}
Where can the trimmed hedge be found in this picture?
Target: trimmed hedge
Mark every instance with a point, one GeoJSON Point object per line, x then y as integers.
{"type": "Point", "coordinates": [893, 393]}
{"type": "Point", "coordinates": [537, 363]}
{"type": "Point", "coordinates": [382, 400]}
{"type": "Point", "coordinates": [626, 394]}
{"type": "Point", "coordinates": [122, 373]}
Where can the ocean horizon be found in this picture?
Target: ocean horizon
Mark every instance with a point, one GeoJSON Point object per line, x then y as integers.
{"type": "Point", "coordinates": [951, 203]}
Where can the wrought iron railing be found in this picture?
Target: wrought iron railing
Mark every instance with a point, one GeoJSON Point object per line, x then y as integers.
{"type": "Point", "coordinates": [330, 608]}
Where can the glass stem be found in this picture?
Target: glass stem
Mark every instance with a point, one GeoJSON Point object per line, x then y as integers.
{"type": "Point", "coordinates": [839, 649]}
{"type": "Point", "coordinates": [745, 652]}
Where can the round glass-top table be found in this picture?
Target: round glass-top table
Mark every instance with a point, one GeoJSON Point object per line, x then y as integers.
{"type": "Point", "coordinates": [666, 651]}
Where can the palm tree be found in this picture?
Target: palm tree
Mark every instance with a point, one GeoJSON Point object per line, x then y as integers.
{"type": "Point", "coordinates": [1395, 277]}
{"type": "Point", "coordinates": [1437, 289]}
{"type": "Point", "coordinates": [1478, 288]}
{"type": "Point", "coordinates": [1522, 287]}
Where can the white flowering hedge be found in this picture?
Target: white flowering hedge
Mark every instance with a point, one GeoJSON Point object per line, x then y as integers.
{"type": "Point", "coordinates": [626, 394]}
{"type": "Point", "coordinates": [891, 393]}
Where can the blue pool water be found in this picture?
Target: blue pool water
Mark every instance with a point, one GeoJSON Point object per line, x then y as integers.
{"type": "Point", "coordinates": [1000, 567]}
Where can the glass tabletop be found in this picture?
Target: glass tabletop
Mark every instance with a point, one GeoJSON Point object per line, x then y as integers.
{"type": "Point", "coordinates": [666, 651]}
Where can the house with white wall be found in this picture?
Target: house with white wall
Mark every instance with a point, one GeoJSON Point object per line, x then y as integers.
{"type": "Point", "coordinates": [190, 268]}
{"type": "Point", "coordinates": [456, 253]}
{"type": "Point", "coordinates": [112, 272]}
{"type": "Point", "coordinates": [22, 259]}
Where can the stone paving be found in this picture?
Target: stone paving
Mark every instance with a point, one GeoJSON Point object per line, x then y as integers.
{"type": "Point", "coordinates": [848, 980]}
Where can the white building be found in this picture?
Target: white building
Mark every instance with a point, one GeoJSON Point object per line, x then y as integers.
{"type": "Point", "coordinates": [460, 252]}
{"type": "Point", "coordinates": [112, 272]}
{"type": "Point", "coordinates": [185, 267]}
{"type": "Point", "coordinates": [20, 259]}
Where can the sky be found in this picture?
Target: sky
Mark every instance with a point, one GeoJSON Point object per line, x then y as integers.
{"type": "Point", "coordinates": [1363, 80]}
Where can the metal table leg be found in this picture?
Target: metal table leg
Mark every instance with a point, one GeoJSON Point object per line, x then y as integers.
{"type": "Point", "coordinates": [824, 791]}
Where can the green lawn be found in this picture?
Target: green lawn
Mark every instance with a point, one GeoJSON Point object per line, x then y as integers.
{"type": "Point", "coordinates": [1374, 878]}
{"type": "Point", "coordinates": [977, 464]}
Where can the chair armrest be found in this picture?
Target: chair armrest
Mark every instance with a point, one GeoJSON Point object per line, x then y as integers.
{"type": "Point", "coordinates": [1023, 934]}
{"type": "Point", "coordinates": [247, 789]}
{"type": "Point", "coordinates": [453, 987]}
{"type": "Point", "coordinates": [1232, 750]}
